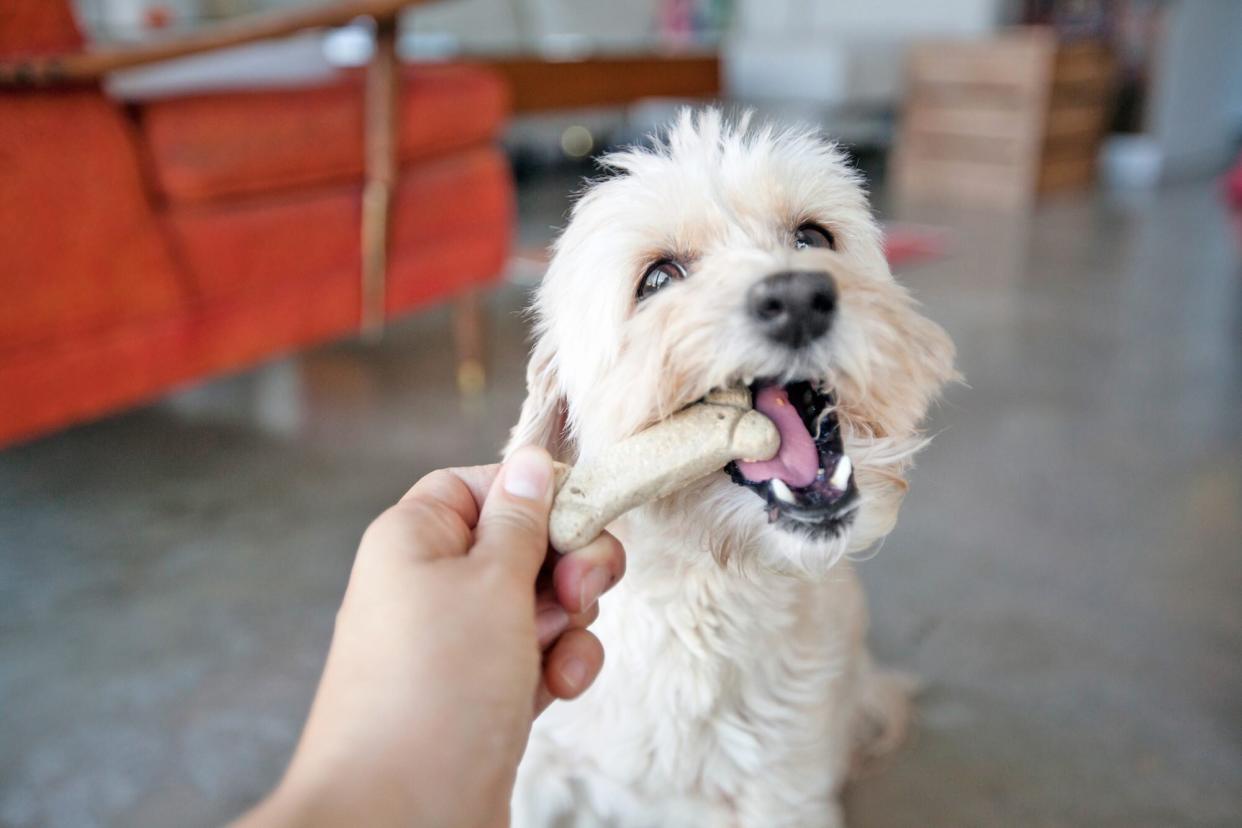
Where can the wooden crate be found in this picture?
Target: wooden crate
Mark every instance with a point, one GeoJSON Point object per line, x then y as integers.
{"type": "Point", "coordinates": [999, 122]}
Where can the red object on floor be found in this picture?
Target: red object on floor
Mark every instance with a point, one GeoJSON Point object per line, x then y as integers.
{"type": "Point", "coordinates": [1233, 185]}
{"type": "Point", "coordinates": [1233, 196]}
{"type": "Point", "coordinates": [907, 244]}
{"type": "Point", "coordinates": [145, 247]}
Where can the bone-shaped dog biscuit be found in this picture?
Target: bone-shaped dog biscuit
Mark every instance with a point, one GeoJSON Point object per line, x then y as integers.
{"type": "Point", "coordinates": [656, 462]}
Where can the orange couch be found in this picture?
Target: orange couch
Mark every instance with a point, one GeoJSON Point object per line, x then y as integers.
{"type": "Point", "coordinates": [144, 246]}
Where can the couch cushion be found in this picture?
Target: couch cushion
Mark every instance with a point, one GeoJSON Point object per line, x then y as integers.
{"type": "Point", "coordinates": [32, 27]}
{"type": "Point", "coordinates": [79, 245]}
{"type": "Point", "coordinates": [220, 145]}
{"type": "Point", "coordinates": [452, 226]}
{"type": "Point", "coordinates": [235, 249]}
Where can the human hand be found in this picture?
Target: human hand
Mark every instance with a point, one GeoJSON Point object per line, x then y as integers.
{"type": "Point", "coordinates": [444, 652]}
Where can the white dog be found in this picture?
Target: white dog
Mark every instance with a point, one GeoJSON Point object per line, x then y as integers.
{"type": "Point", "coordinates": [738, 687]}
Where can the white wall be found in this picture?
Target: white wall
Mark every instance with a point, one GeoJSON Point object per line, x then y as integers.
{"type": "Point", "coordinates": [828, 51]}
{"type": "Point", "coordinates": [1195, 98]}
{"type": "Point", "coordinates": [498, 19]}
{"type": "Point", "coordinates": [480, 25]}
{"type": "Point", "coordinates": [839, 53]}
{"type": "Point", "coordinates": [880, 19]}
{"type": "Point", "coordinates": [1234, 104]}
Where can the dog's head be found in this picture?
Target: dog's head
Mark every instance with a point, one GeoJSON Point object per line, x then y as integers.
{"type": "Point", "coordinates": [729, 254]}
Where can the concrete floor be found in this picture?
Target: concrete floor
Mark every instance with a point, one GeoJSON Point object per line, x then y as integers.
{"type": "Point", "coordinates": [1066, 575]}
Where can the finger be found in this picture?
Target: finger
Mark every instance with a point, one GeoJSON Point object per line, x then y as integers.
{"type": "Point", "coordinates": [513, 527]}
{"type": "Point", "coordinates": [585, 574]}
{"type": "Point", "coordinates": [550, 621]}
{"type": "Point", "coordinates": [461, 489]}
{"type": "Point", "coordinates": [543, 697]}
{"type": "Point", "coordinates": [573, 645]}
{"type": "Point", "coordinates": [582, 620]}
{"type": "Point", "coordinates": [572, 664]}
{"type": "Point", "coordinates": [413, 530]}
{"type": "Point", "coordinates": [435, 518]}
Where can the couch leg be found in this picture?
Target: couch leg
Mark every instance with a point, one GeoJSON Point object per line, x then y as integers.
{"type": "Point", "coordinates": [383, 80]}
{"type": "Point", "coordinates": [468, 337]}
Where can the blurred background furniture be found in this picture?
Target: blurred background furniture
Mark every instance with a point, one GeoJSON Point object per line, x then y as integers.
{"type": "Point", "coordinates": [999, 121]}
{"type": "Point", "coordinates": [837, 63]}
{"type": "Point", "coordinates": [225, 125]}
{"type": "Point", "coordinates": [539, 84]}
{"type": "Point", "coordinates": [149, 244]}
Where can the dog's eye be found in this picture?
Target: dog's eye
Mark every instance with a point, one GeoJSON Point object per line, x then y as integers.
{"type": "Point", "coordinates": [812, 235]}
{"type": "Point", "coordinates": [660, 275]}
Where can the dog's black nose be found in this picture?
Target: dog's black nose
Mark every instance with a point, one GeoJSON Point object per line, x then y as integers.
{"type": "Point", "coordinates": [794, 307]}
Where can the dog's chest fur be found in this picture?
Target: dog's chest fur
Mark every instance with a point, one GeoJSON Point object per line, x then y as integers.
{"type": "Point", "coordinates": [723, 692]}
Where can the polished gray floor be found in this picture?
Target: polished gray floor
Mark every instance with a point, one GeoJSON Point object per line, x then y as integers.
{"type": "Point", "coordinates": [1066, 578]}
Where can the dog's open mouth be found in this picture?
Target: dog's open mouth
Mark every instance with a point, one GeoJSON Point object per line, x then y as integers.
{"type": "Point", "coordinates": [809, 484]}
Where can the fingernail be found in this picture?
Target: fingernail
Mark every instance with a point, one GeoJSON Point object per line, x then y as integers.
{"type": "Point", "coordinates": [593, 585]}
{"type": "Point", "coordinates": [549, 623]}
{"type": "Point", "coordinates": [528, 473]}
{"type": "Point", "coordinates": [574, 672]}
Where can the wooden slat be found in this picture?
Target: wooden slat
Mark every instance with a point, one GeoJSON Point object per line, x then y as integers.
{"type": "Point", "coordinates": [970, 182]}
{"type": "Point", "coordinates": [380, 148]}
{"type": "Point", "coordinates": [469, 339]}
{"type": "Point", "coordinates": [1022, 60]}
{"type": "Point", "coordinates": [1083, 73]}
{"type": "Point", "coordinates": [1075, 119]}
{"type": "Point", "coordinates": [996, 122]}
{"type": "Point", "coordinates": [540, 85]}
{"type": "Point", "coordinates": [1062, 174]}
{"type": "Point", "coordinates": [1085, 62]}
{"type": "Point", "coordinates": [90, 66]}
{"type": "Point", "coordinates": [939, 146]}
{"type": "Point", "coordinates": [972, 122]}
{"type": "Point", "coordinates": [989, 95]}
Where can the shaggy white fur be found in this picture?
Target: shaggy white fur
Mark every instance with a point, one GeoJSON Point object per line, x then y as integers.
{"type": "Point", "coordinates": [737, 685]}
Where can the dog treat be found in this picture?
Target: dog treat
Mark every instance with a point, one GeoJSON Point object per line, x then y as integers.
{"type": "Point", "coordinates": [688, 446]}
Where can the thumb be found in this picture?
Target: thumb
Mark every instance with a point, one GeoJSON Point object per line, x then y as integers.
{"type": "Point", "coordinates": [513, 525]}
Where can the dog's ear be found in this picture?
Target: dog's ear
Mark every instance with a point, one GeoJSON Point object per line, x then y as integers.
{"type": "Point", "coordinates": [544, 412]}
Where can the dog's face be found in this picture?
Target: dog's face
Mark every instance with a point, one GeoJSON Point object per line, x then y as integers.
{"type": "Point", "coordinates": [725, 256]}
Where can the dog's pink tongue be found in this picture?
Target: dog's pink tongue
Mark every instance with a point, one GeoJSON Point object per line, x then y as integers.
{"type": "Point", "coordinates": [797, 461]}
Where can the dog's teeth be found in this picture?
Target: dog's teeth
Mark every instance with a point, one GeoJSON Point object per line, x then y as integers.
{"type": "Point", "coordinates": [841, 474]}
{"type": "Point", "coordinates": [782, 491]}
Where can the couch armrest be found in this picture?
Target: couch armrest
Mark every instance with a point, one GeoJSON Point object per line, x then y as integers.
{"type": "Point", "coordinates": [91, 65]}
